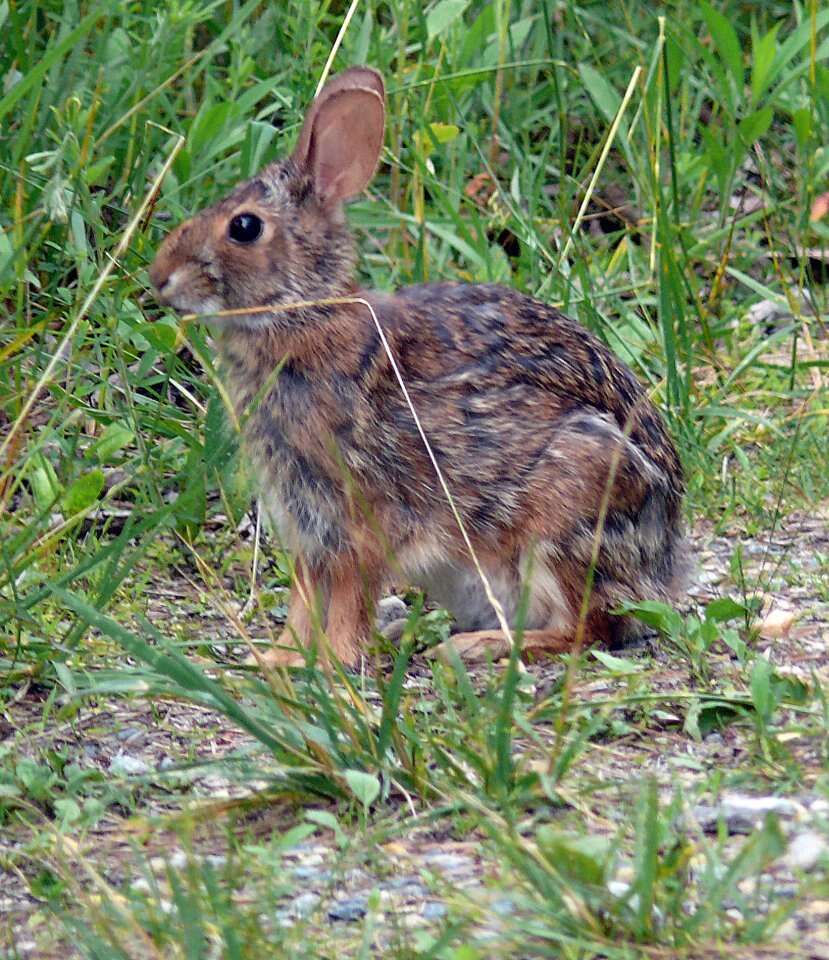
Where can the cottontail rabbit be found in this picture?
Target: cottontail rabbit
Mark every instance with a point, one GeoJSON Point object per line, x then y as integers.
{"type": "Point", "coordinates": [540, 431]}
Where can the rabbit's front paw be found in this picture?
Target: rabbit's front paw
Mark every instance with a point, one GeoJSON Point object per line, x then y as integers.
{"type": "Point", "coordinates": [284, 654]}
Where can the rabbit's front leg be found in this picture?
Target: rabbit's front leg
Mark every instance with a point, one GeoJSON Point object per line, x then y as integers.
{"type": "Point", "coordinates": [346, 593]}
{"type": "Point", "coordinates": [353, 590]}
{"type": "Point", "coordinates": [303, 621]}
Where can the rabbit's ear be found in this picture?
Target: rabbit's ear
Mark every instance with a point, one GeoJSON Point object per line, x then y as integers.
{"type": "Point", "coordinates": [342, 136]}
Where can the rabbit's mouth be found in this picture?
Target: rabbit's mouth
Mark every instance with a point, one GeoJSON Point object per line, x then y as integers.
{"type": "Point", "coordinates": [172, 290]}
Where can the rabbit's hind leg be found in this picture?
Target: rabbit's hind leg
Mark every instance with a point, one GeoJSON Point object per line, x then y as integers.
{"type": "Point", "coordinates": [354, 589]}
{"type": "Point", "coordinates": [478, 646]}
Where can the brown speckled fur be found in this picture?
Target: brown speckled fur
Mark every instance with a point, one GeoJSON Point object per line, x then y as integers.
{"type": "Point", "coordinates": [527, 412]}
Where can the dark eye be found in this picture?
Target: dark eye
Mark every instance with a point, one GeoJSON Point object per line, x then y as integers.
{"type": "Point", "coordinates": [245, 228]}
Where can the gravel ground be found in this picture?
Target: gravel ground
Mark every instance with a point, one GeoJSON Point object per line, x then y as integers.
{"type": "Point", "coordinates": [420, 876]}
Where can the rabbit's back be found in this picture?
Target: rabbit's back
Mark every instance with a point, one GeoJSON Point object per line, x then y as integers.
{"type": "Point", "coordinates": [496, 378]}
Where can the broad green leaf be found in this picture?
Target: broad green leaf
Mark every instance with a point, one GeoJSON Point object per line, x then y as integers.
{"type": "Point", "coordinates": [442, 132]}
{"type": "Point", "coordinates": [723, 609]}
{"type": "Point", "coordinates": [209, 123]}
{"type": "Point", "coordinates": [616, 664]}
{"type": "Point", "coordinates": [706, 716]}
{"type": "Point", "coordinates": [442, 16]}
{"type": "Point", "coordinates": [676, 61]}
{"type": "Point", "coordinates": [726, 42]}
{"type": "Point", "coordinates": [6, 252]}
{"type": "Point", "coordinates": [95, 173]}
{"type": "Point", "coordinates": [78, 234]}
{"type": "Point", "coordinates": [802, 123]}
{"type": "Point", "coordinates": [799, 38]}
{"type": "Point", "coordinates": [656, 614]}
{"type": "Point", "coordinates": [762, 57]}
{"type": "Point", "coordinates": [324, 818]}
{"type": "Point", "coordinates": [646, 855]}
{"type": "Point", "coordinates": [603, 95]}
{"type": "Point", "coordinates": [583, 859]}
{"type": "Point", "coordinates": [761, 691]}
{"type": "Point", "coordinates": [364, 786]}
{"type": "Point", "coordinates": [364, 37]}
{"type": "Point", "coordinates": [68, 811]}
{"type": "Point", "coordinates": [84, 491]}
{"type": "Point", "coordinates": [476, 35]}
{"type": "Point", "coordinates": [114, 438]}
{"type": "Point", "coordinates": [718, 158]}
{"type": "Point", "coordinates": [258, 137]}
{"type": "Point", "coordinates": [755, 125]}
{"type": "Point", "coordinates": [518, 33]}
{"type": "Point", "coordinates": [161, 335]}
{"type": "Point", "coordinates": [46, 487]}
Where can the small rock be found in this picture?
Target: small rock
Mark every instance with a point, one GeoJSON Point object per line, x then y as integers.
{"type": "Point", "coordinates": [807, 850]}
{"type": "Point", "coordinates": [304, 905]}
{"type": "Point", "coordinates": [177, 860]}
{"type": "Point", "coordinates": [397, 883]}
{"type": "Point", "coordinates": [405, 894]}
{"type": "Point", "coordinates": [388, 610]}
{"type": "Point", "coordinates": [434, 910]}
{"type": "Point", "coordinates": [394, 631]}
{"type": "Point", "coordinates": [315, 874]}
{"type": "Point", "coordinates": [128, 734]}
{"type": "Point", "coordinates": [124, 765]}
{"type": "Point", "coordinates": [404, 888]}
{"type": "Point", "coordinates": [349, 910]}
{"type": "Point", "coordinates": [447, 862]}
{"type": "Point", "coordinates": [503, 906]}
{"type": "Point", "coordinates": [619, 889]}
{"type": "Point", "coordinates": [743, 814]}
{"type": "Point", "coordinates": [767, 314]}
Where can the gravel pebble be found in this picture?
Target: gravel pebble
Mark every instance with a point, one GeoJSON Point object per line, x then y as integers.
{"type": "Point", "coordinates": [348, 910]}
{"type": "Point", "coordinates": [807, 850]}
{"type": "Point", "coordinates": [388, 610]}
{"type": "Point", "coordinates": [434, 910]}
{"type": "Point", "coordinates": [744, 814]}
{"type": "Point", "coordinates": [448, 862]}
{"type": "Point", "coordinates": [130, 733]}
{"type": "Point", "coordinates": [124, 765]}
{"type": "Point", "coordinates": [304, 905]}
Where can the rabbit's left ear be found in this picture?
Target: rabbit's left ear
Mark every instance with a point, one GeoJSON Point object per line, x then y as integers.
{"type": "Point", "coordinates": [342, 136]}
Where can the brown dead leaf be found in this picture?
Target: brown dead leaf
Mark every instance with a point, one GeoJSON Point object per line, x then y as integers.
{"type": "Point", "coordinates": [480, 188]}
{"type": "Point", "coordinates": [820, 208]}
{"type": "Point", "coordinates": [776, 623]}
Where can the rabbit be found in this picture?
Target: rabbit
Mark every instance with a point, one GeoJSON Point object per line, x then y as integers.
{"type": "Point", "coordinates": [561, 469]}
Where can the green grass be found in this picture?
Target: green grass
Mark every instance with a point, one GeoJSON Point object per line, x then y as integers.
{"type": "Point", "coordinates": [654, 179]}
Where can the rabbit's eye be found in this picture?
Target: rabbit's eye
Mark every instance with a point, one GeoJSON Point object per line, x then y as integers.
{"type": "Point", "coordinates": [245, 228]}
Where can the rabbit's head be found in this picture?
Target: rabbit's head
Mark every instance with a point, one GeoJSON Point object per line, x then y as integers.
{"type": "Point", "coordinates": [281, 236]}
